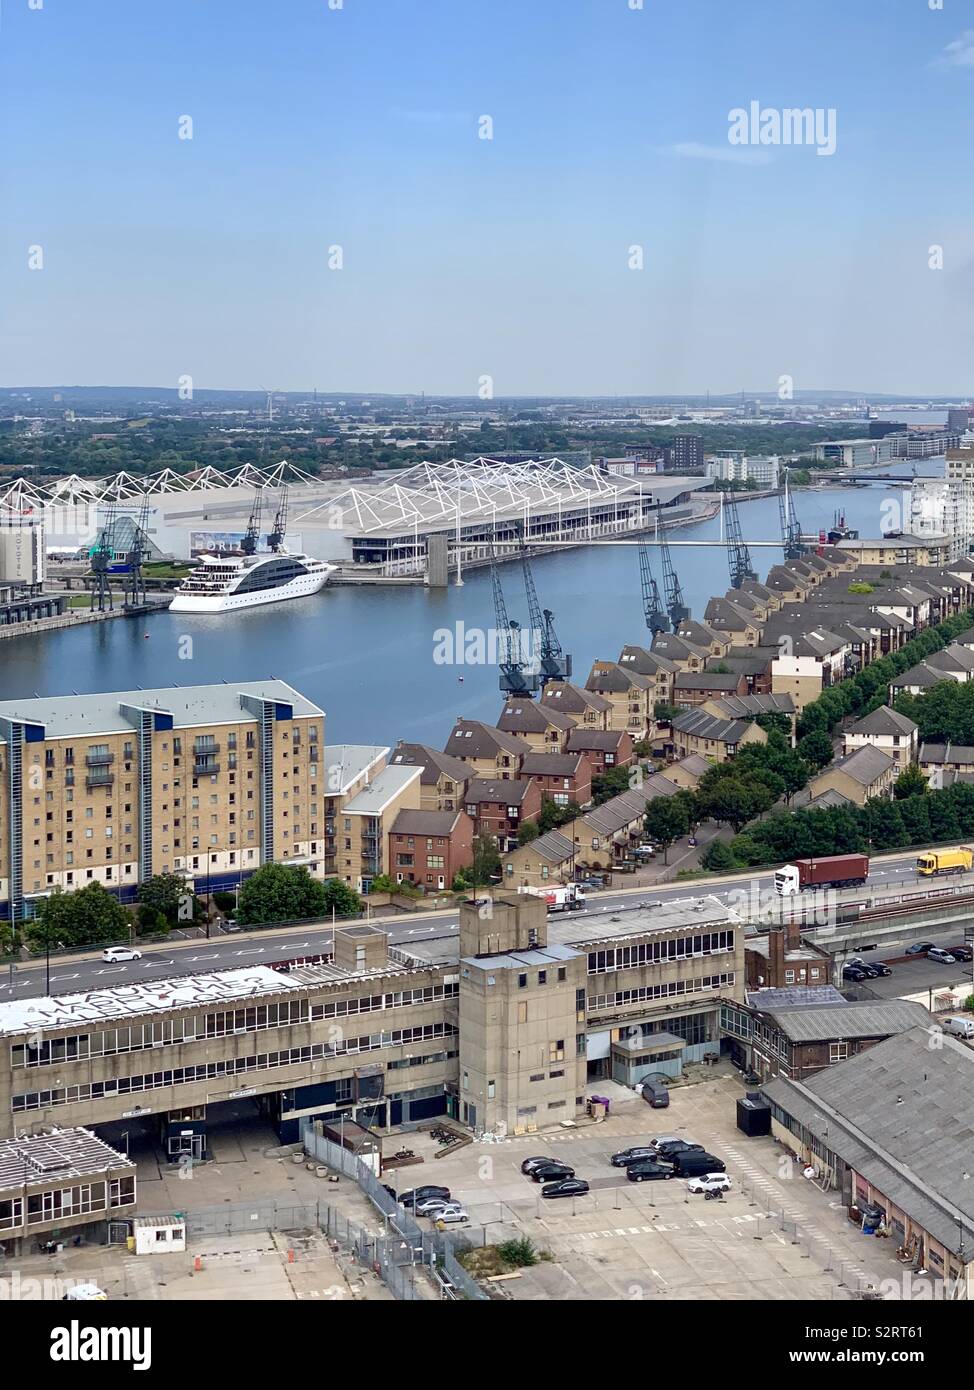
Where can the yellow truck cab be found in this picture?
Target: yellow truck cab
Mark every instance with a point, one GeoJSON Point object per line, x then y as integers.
{"type": "Point", "coordinates": [945, 861]}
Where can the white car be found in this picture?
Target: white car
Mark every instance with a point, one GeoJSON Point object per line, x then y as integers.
{"type": "Point", "coordinates": [114, 953]}
{"type": "Point", "coordinates": [450, 1215]}
{"type": "Point", "coordinates": [709, 1182]}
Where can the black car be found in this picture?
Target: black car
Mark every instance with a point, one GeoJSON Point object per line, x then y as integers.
{"type": "Point", "coordinates": [961, 952]}
{"type": "Point", "coordinates": [420, 1194]}
{"type": "Point", "coordinates": [919, 948]}
{"type": "Point", "coordinates": [648, 1169]}
{"type": "Point", "coordinates": [854, 972]}
{"type": "Point", "coordinates": [627, 1156]}
{"type": "Point", "coordinates": [551, 1172]}
{"type": "Point", "coordinates": [530, 1163]}
{"type": "Point", "coordinates": [672, 1147]}
{"type": "Point", "coordinates": [568, 1187]}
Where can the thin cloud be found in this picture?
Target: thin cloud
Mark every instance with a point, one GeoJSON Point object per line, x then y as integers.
{"type": "Point", "coordinates": [719, 154]}
{"type": "Point", "coordinates": [960, 53]}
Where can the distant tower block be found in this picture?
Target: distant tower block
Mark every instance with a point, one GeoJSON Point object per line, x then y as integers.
{"type": "Point", "coordinates": [437, 564]}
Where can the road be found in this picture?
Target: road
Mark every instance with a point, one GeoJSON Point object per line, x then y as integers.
{"type": "Point", "coordinates": [741, 892]}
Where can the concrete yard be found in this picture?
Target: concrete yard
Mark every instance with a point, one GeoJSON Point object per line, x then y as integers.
{"type": "Point", "coordinates": [774, 1236]}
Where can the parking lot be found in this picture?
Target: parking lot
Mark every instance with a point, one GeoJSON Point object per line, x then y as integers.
{"type": "Point", "coordinates": [775, 1235]}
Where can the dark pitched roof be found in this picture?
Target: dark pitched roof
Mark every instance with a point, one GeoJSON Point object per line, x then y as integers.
{"type": "Point", "coordinates": [572, 699]}
{"type": "Point", "coordinates": [750, 706]}
{"type": "Point", "coordinates": [509, 791]}
{"type": "Point", "coordinates": [471, 738]}
{"type": "Point", "coordinates": [702, 725]}
{"type": "Point", "coordinates": [434, 763]}
{"type": "Point", "coordinates": [864, 765]}
{"type": "Point", "coordinates": [528, 717]}
{"type": "Point", "coordinates": [415, 822]}
{"type": "Point", "coordinates": [551, 764]}
{"type": "Point", "coordinates": [707, 680]}
{"type": "Point", "coordinates": [595, 740]}
{"type": "Point", "coordinates": [883, 721]}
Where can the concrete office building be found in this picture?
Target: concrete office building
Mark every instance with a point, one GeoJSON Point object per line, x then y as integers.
{"type": "Point", "coordinates": [209, 781]}
{"type": "Point", "coordinates": [60, 1180]}
{"type": "Point", "coordinates": [385, 1035]}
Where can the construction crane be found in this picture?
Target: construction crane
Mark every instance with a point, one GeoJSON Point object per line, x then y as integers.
{"type": "Point", "coordinates": [252, 535]}
{"type": "Point", "coordinates": [656, 619]}
{"type": "Point", "coordinates": [514, 678]}
{"type": "Point", "coordinates": [791, 531]}
{"type": "Point", "coordinates": [738, 555]}
{"type": "Point", "coordinates": [556, 665]}
{"type": "Point", "coordinates": [675, 606]}
{"type": "Point", "coordinates": [134, 592]}
{"type": "Point", "coordinates": [102, 557]}
{"type": "Point", "coordinates": [276, 537]}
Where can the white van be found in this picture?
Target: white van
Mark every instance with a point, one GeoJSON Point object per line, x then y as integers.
{"type": "Point", "coordinates": [959, 1027]}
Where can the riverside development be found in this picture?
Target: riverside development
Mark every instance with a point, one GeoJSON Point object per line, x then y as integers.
{"type": "Point", "coordinates": [507, 966]}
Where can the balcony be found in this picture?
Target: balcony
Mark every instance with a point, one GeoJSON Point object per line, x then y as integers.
{"type": "Point", "coordinates": [201, 749]}
{"type": "Point", "coordinates": [99, 779]}
{"type": "Point", "coordinates": [204, 767]}
{"type": "Point", "coordinates": [99, 759]}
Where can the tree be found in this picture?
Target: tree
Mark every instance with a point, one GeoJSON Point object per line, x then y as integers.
{"type": "Point", "coordinates": [486, 861]}
{"type": "Point", "coordinates": [527, 831]}
{"type": "Point", "coordinates": [816, 748]}
{"type": "Point", "coordinates": [340, 898]}
{"type": "Point", "coordinates": [733, 801]}
{"type": "Point", "coordinates": [911, 782]}
{"type": "Point", "coordinates": [382, 883]}
{"type": "Point", "coordinates": [84, 918]}
{"type": "Point", "coordinates": [719, 857]}
{"type": "Point", "coordinates": [773, 722]}
{"type": "Point", "coordinates": [281, 893]}
{"type": "Point", "coordinates": [168, 896]}
{"type": "Point", "coordinates": [666, 820]}
{"type": "Point", "coordinates": [609, 784]}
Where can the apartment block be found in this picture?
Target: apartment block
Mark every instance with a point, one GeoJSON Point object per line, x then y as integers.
{"type": "Point", "coordinates": [209, 781]}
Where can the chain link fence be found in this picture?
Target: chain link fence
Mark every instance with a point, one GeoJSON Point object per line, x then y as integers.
{"type": "Point", "coordinates": [407, 1243]}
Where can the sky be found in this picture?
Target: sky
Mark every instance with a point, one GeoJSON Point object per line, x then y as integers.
{"type": "Point", "coordinates": [337, 220]}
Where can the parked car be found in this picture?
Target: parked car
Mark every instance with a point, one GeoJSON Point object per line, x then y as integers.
{"type": "Point", "coordinates": [84, 1293]}
{"type": "Point", "coordinates": [113, 953]}
{"type": "Point", "coordinates": [594, 885]}
{"type": "Point", "coordinates": [961, 952]}
{"type": "Point", "coordinates": [626, 1156]}
{"type": "Point", "coordinates": [854, 972]}
{"type": "Point", "coordinates": [919, 948]}
{"type": "Point", "coordinates": [644, 852]}
{"type": "Point", "coordinates": [659, 1139]}
{"type": "Point", "coordinates": [421, 1194]}
{"type": "Point", "coordinates": [941, 956]}
{"type": "Point", "coordinates": [671, 1147]}
{"type": "Point", "coordinates": [709, 1182]}
{"type": "Point", "coordinates": [695, 1165]}
{"type": "Point", "coordinates": [552, 1172]}
{"type": "Point", "coordinates": [654, 1093]}
{"type": "Point", "coordinates": [428, 1205]}
{"type": "Point", "coordinates": [645, 1170]}
{"type": "Point", "coordinates": [530, 1163]}
{"type": "Point", "coordinates": [568, 1187]}
{"type": "Point", "coordinates": [452, 1215]}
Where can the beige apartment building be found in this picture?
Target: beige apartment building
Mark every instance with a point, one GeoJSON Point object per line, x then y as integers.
{"type": "Point", "coordinates": [209, 781]}
{"type": "Point", "coordinates": [366, 795]}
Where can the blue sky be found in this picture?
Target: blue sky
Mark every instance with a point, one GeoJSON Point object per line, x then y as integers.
{"type": "Point", "coordinates": [463, 257]}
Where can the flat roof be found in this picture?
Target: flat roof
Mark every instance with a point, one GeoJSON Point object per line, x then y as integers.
{"type": "Point", "coordinates": [385, 786]}
{"type": "Point", "coordinates": [156, 996]}
{"type": "Point", "coordinates": [349, 761]}
{"type": "Point", "coordinates": [76, 716]}
{"type": "Point", "coordinates": [57, 1156]}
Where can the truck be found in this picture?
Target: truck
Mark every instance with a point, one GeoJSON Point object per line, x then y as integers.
{"type": "Point", "coordinates": [560, 898]}
{"type": "Point", "coordinates": [945, 861]}
{"type": "Point", "coordinates": [830, 871]}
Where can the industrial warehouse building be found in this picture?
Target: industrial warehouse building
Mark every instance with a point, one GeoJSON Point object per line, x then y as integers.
{"type": "Point", "coordinates": [891, 1129]}
{"type": "Point", "coordinates": [502, 1031]}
